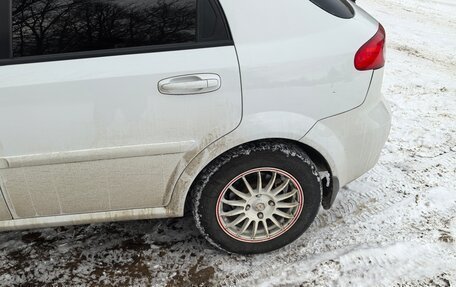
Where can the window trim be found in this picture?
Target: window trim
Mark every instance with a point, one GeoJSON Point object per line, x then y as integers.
{"type": "Point", "coordinates": [114, 52]}
{"type": "Point", "coordinates": [335, 12]}
{"type": "Point", "coordinates": [5, 61]}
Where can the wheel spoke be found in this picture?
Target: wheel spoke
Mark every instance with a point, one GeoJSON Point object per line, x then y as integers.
{"type": "Point", "coordinates": [233, 212]}
{"type": "Point", "coordinates": [283, 214]}
{"type": "Point", "coordinates": [271, 182]}
{"type": "Point", "coordinates": [287, 204]}
{"type": "Point", "coordinates": [238, 203]}
{"type": "Point", "coordinates": [244, 226]}
{"type": "Point", "coordinates": [281, 187]}
{"type": "Point", "coordinates": [286, 195]}
{"type": "Point", "coordinates": [259, 182]}
{"type": "Point", "coordinates": [274, 220]}
{"type": "Point", "coordinates": [255, 229]}
{"type": "Point", "coordinates": [239, 193]}
{"type": "Point", "coordinates": [266, 229]}
{"type": "Point", "coordinates": [247, 184]}
{"type": "Point", "coordinates": [238, 220]}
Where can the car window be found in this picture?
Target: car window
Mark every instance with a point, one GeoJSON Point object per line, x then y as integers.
{"type": "Point", "coordinates": [5, 48]}
{"type": "Point", "coordinates": [41, 27]}
{"type": "Point", "coordinates": [211, 26]}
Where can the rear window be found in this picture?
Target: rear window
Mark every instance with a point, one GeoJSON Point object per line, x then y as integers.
{"type": "Point", "coordinates": [339, 8]}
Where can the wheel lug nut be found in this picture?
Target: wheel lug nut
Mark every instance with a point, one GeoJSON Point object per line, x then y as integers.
{"type": "Point", "coordinates": [260, 215]}
{"type": "Point", "coordinates": [247, 207]}
{"type": "Point", "coordinates": [271, 203]}
{"type": "Point", "coordinates": [258, 195]}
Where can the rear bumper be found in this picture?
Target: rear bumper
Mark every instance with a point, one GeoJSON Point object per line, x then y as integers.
{"type": "Point", "coordinates": [351, 142]}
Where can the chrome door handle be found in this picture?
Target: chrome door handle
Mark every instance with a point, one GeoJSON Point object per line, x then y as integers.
{"type": "Point", "coordinates": [190, 84]}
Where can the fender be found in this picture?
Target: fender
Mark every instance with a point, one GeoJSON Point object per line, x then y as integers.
{"type": "Point", "coordinates": [267, 125]}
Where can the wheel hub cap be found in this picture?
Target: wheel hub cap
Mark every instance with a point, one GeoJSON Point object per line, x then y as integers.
{"type": "Point", "coordinates": [260, 206]}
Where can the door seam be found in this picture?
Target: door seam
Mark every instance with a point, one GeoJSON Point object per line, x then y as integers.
{"type": "Point", "coordinates": [7, 200]}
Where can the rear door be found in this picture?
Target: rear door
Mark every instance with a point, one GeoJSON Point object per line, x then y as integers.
{"type": "Point", "coordinates": [101, 101]}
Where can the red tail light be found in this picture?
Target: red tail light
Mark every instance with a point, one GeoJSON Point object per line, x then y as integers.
{"type": "Point", "coordinates": [371, 55]}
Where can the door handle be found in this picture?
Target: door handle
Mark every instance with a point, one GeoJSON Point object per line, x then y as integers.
{"type": "Point", "coordinates": [190, 84]}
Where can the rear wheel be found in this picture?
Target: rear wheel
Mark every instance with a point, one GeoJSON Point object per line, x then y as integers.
{"type": "Point", "coordinates": [257, 197]}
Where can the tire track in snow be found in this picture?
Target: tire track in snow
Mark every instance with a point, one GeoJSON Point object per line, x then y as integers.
{"type": "Point", "coordinates": [356, 206]}
{"type": "Point", "coordinates": [411, 259]}
{"type": "Point", "coordinates": [401, 250]}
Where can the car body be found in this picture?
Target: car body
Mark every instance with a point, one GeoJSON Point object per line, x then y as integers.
{"type": "Point", "coordinates": [122, 133]}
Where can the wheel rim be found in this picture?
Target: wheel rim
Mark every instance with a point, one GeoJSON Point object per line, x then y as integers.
{"type": "Point", "coordinates": [259, 205]}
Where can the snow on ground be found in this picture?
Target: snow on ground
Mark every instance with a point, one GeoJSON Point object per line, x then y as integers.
{"type": "Point", "coordinates": [395, 226]}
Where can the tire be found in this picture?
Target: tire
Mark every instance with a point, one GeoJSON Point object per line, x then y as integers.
{"type": "Point", "coordinates": [221, 198]}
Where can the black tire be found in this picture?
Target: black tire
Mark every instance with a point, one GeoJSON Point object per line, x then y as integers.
{"type": "Point", "coordinates": [284, 156]}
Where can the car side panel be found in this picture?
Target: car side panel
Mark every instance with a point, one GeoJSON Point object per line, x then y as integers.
{"type": "Point", "coordinates": [95, 135]}
{"type": "Point", "coordinates": [296, 68]}
{"type": "Point", "coordinates": [295, 57]}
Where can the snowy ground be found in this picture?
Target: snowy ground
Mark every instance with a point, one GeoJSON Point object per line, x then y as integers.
{"type": "Point", "coordinates": [393, 227]}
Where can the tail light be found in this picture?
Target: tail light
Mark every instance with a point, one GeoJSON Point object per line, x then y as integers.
{"type": "Point", "coordinates": [371, 55]}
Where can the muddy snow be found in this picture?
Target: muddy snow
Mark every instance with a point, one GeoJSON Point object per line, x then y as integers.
{"type": "Point", "coordinates": [395, 226]}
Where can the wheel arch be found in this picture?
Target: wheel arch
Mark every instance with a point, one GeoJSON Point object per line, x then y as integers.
{"type": "Point", "coordinates": [181, 197]}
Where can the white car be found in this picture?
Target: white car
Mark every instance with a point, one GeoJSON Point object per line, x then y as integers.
{"type": "Point", "coordinates": [251, 114]}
